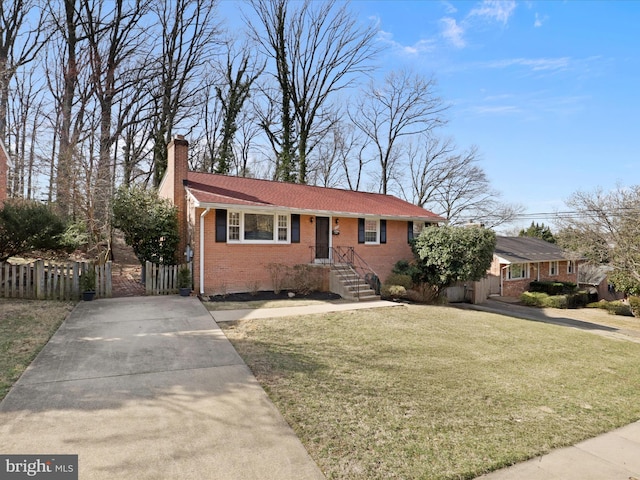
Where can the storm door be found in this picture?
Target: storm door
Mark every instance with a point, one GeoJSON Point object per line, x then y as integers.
{"type": "Point", "coordinates": [322, 238]}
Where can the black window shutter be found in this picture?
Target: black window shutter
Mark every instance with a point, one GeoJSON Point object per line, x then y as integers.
{"type": "Point", "coordinates": [295, 228]}
{"type": "Point", "coordinates": [361, 230]}
{"type": "Point", "coordinates": [221, 225]}
{"type": "Point", "coordinates": [409, 231]}
{"type": "Point", "coordinates": [383, 231]}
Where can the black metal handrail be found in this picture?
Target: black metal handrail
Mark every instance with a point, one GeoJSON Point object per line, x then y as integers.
{"type": "Point", "coordinates": [360, 266]}
{"type": "Point", "coordinates": [347, 256]}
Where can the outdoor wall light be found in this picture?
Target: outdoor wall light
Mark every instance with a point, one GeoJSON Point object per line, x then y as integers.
{"type": "Point", "coordinates": [337, 221]}
{"type": "Point", "coordinates": [310, 219]}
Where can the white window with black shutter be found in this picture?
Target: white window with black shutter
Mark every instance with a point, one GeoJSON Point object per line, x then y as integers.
{"type": "Point", "coordinates": [372, 231]}
{"type": "Point", "coordinates": [257, 227]}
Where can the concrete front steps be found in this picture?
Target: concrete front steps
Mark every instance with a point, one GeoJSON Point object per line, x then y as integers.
{"type": "Point", "coordinates": [349, 285]}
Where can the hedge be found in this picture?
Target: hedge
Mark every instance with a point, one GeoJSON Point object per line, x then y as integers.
{"type": "Point", "coordinates": [552, 288]}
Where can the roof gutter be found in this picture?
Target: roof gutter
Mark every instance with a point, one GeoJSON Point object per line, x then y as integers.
{"type": "Point", "coordinates": [202, 215]}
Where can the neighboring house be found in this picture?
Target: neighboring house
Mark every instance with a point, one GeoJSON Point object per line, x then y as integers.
{"type": "Point", "coordinates": [517, 261]}
{"type": "Point", "coordinates": [5, 164]}
{"type": "Point", "coordinates": [595, 280]}
{"type": "Point", "coordinates": [235, 227]}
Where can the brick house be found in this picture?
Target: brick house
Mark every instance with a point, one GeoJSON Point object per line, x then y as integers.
{"type": "Point", "coordinates": [5, 164]}
{"type": "Point", "coordinates": [234, 228]}
{"type": "Point", "coordinates": [517, 261]}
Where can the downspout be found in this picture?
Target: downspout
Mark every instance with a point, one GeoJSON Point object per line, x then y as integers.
{"type": "Point", "coordinates": [202, 215]}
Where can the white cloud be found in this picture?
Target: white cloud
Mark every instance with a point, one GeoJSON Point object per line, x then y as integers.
{"type": "Point", "coordinates": [453, 32]}
{"type": "Point", "coordinates": [499, 10]}
{"type": "Point", "coordinates": [539, 20]}
{"type": "Point", "coordinates": [535, 64]}
{"type": "Point", "coordinates": [449, 8]}
{"type": "Point", "coordinates": [495, 109]}
{"type": "Point", "coordinates": [420, 47]}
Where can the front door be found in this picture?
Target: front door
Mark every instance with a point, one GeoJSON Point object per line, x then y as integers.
{"type": "Point", "coordinates": [322, 238]}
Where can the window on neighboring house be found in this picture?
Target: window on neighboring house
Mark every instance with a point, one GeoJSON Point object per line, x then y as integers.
{"type": "Point", "coordinates": [571, 267]}
{"type": "Point", "coordinates": [370, 231]}
{"type": "Point", "coordinates": [553, 268]}
{"type": "Point", "coordinates": [257, 227]}
{"type": "Point", "coordinates": [518, 270]}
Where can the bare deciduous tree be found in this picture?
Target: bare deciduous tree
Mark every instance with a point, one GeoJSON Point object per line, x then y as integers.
{"type": "Point", "coordinates": [430, 164]}
{"type": "Point", "coordinates": [454, 186]}
{"type": "Point", "coordinates": [26, 112]}
{"type": "Point", "coordinates": [318, 49]}
{"type": "Point", "coordinates": [404, 105]}
{"type": "Point", "coordinates": [273, 16]}
{"type": "Point", "coordinates": [240, 73]}
{"type": "Point", "coordinates": [188, 35]}
{"type": "Point", "coordinates": [20, 42]}
{"type": "Point", "coordinates": [115, 38]}
{"type": "Point", "coordinates": [605, 228]}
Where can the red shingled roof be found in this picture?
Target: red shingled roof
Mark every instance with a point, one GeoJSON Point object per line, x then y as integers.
{"type": "Point", "coordinates": [211, 190]}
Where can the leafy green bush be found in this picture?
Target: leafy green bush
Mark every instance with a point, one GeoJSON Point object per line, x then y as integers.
{"type": "Point", "coordinates": [74, 236]}
{"type": "Point", "coordinates": [393, 291]}
{"type": "Point", "coordinates": [540, 299]}
{"type": "Point", "coordinates": [533, 299]}
{"type": "Point", "coordinates": [26, 226]}
{"type": "Point", "coordinates": [615, 307]}
{"type": "Point", "coordinates": [577, 299]}
{"type": "Point", "coordinates": [552, 288]}
{"type": "Point", "coordinates": [402, 267]}
{"type": "Point", "coordinates": [634, 304]}
{"type": "Point", "coordinates": [399, 279]}
{"type": "Point", "coordinates": [450, 254]}
{"type": "Point", "coordinates": [149, 224]}
{"type": "Point", "coordinates": [555, 301]}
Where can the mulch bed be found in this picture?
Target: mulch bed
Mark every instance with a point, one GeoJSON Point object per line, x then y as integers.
{"type": "Point", "coordinates": [269, 295]}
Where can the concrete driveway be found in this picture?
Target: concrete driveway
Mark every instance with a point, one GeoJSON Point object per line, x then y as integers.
{"type": "Point", "coordinates": [554, 316]}
{"type": "Point", "coordinates": [149, 388]}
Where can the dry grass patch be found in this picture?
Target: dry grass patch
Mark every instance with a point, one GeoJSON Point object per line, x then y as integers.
{"type": "Point", "coordinates": [255, 304]}
{"type": "Point", "coordinates": [436, 392]}
{"type": "Point", "coordinates": [25, 327]}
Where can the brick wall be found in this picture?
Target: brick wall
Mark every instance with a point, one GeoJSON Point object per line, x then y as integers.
{"type": "Point", "coordinates": [172, 186]}
{"type": "Point", "coordinates": [537, 271]}
{"type": "Point", "coordinates": [233, 268]}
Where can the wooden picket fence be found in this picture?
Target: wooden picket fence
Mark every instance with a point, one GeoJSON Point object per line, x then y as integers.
{"type": "Point", "coordinates": [47, 281]}
{"type": "Point", "coordinates": [163, 279]}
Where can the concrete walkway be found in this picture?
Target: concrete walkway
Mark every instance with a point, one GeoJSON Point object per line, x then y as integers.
{"type": "Point", "coordinates": [149, 388]}
{"type": "Point", "coordinates": [612, 456]}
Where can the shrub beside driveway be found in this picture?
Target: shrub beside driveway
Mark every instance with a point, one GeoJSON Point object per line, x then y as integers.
{"type": "Point", "coordinates": [437, 392]}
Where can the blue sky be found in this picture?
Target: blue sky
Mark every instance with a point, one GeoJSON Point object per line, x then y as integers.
{"type": "Point", "coordinates": [547, 90]}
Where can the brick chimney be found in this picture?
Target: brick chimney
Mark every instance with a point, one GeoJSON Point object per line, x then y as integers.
{"type": "Point", "coordinates": [172, 186]}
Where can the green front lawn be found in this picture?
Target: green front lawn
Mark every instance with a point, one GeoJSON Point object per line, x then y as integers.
{"type": "Point", "coordinates": [435, 392]}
